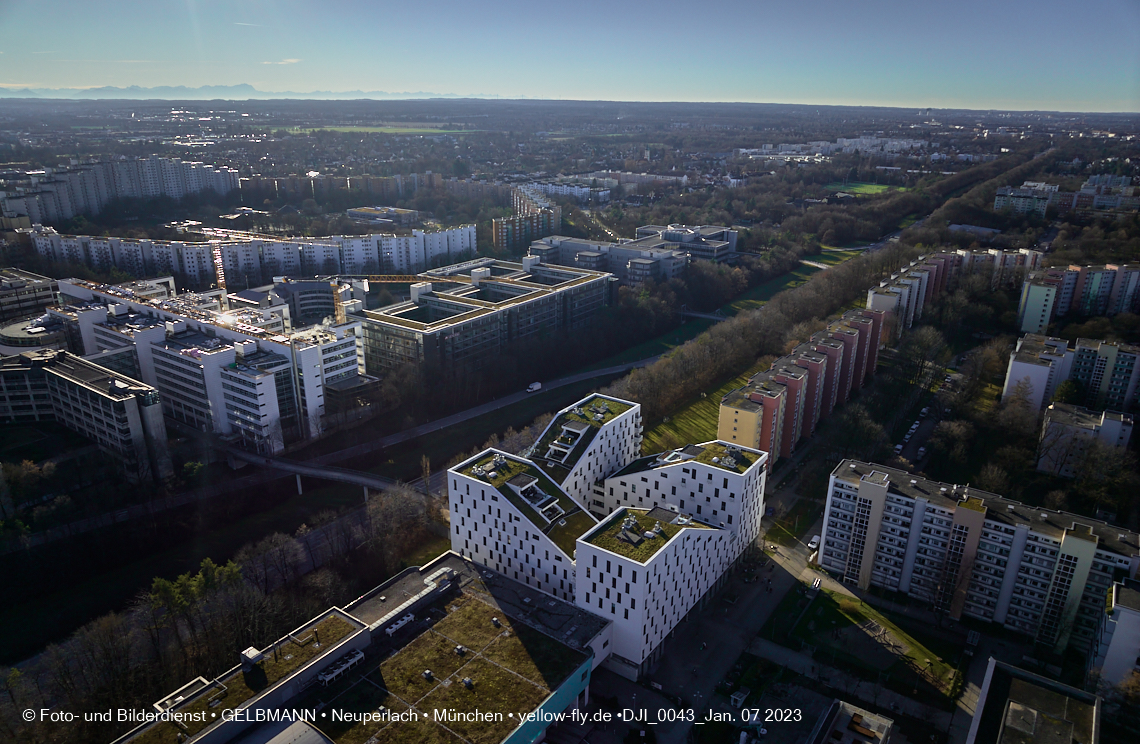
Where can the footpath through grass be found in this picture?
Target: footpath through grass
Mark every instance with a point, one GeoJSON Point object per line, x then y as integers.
{"type": "Point", "coordinates": [696, 421]}
{"type": "Point", "coordinates": [833, 257]}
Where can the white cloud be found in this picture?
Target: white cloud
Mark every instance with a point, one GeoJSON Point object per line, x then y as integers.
{"type": "Point", "coordinates": [284, 62]}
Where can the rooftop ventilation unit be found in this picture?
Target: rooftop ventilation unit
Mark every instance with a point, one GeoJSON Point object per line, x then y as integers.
{"type": "Point", "coordinates": [469, 683]}
{"type": "Point", "coordinates": [428, 675]}
{"type": "Point", "coordinates": [496, 623]}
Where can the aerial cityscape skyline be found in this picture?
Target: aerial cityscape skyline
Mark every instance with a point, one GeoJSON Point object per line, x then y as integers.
{"type": "Point", "coordinates": [983, 56]}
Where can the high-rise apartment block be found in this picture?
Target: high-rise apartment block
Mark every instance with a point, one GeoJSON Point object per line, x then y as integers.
{"type": "Point", "coordinates": [784, 404]}
{"type": "Point", "coordinates": [1107, 372]}
{"type": "Point", "coordinates": [639, 541]}
{"type": "Point", "coordinates": [237, 263]}
{"type": "Point", "coordinates": [54, 195]}
{"type": "Point", "coordinates": [1068, 432]}
{"type": "Point", "coordinates": [1080, 290]}
{"type": "Point", "coordinates": [535, 217]}
{"type": "Point", "coordinates": [121, 415]}
{"type": "Point", "coordinates": [1115, 652]}
{"type": "Point", "coordinates": [1038, 572]}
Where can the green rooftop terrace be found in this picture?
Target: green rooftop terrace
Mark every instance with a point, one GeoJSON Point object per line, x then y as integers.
{"type": "Point", "coordinates": [548, 520]}
{"type": "Point", "coordinates": [242, 686]}
{"type": "Point", "coordinates": [742, 459]}
{"type": "Point", "coordinates": [607, 536]}
{"type": "Point", "coordinates": [595, 412]}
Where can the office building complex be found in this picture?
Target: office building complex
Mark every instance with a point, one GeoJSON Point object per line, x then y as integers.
{"type": "Point", "coordinates": [1068, 431]}
{"type": "Point", "coordinates": [1080, 290]}
{"type": "Point", "coordinates": [239, 262]}
{"type": "Point", "coordinates": [1035, 571]}
{"type": "Point", "coordinates": [55, 195]}
{"type": "Point", "coordinates": [262, 388]}
{"type": "Point", "coordinates": [122, 415]}
{"type": "Point", "coordinates": [469, 313]}
{"type": "Point", "coordinates": [638, 541]}
{"type": "Point", "coordinates": [1106, 372]}
{"type": "Point", "coordinates": [783, 405]}
{"type": "Point", "coordinates": [24, 294]}
{"type": "Point", "coordinates": [1015, 705]}
{"type": "Point", "coordinates": [658, 253]}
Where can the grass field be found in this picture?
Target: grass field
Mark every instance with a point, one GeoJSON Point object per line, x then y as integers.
{"type": "Point", "coordinates": [759, 295]}
{"type": "Point", "coordinates": [833, 257]}
{"type": "Point", "coordinates": [924, 662]}
{"type": "Point", "coordinates": [696, 422]}
{"type": "Point", "coordinates": [378, 130]}
{"type": "Point", "coordinates": [861, 187]}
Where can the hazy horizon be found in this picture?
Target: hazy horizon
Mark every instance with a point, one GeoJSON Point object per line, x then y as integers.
{"type": "Point", "coordinates": [1013, 55]}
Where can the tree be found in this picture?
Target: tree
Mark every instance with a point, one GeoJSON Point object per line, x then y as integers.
{"type": "Point", "coordinates": [1070, 391]}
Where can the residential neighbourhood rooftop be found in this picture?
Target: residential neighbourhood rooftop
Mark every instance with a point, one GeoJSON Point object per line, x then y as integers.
{"type": "Point", "coordinates": [1044, 521]}
{"type": "Point", "coordinates": [1019, 707]}
{"type": "Point", "coordinates": [570, 433]}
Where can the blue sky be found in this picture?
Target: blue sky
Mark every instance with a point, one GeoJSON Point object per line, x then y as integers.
{"type": "Point", "coordinates": [1075, 55]}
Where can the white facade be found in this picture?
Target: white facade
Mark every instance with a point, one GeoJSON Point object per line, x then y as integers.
{"type": "Point", "coordinates": [1117, 648]}
{"type": "Point", "coordinates": [646, 599]}
{"type": "Point", "coordinates": [1040, 362]}
{"type": "Point", "coordinates": [203, 361]}
{"type": "Point", "coordinates": [239, 259]}
{"type": "Point", "coordinates": [581, 450]}
{"type": "Point", "coordinates": [729, 497]}
{"type": "Point", "coordinates": [524, 527]}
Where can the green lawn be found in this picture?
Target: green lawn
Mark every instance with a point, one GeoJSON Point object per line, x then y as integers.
{"type": "Point", "coordinates": [696, 422]}
{"type": "Point", "coordinates": [836, 611]}
{"type": "Point", "coordinates": [861, 187]}
{"type": "Point", "coordinates": [759, 295]}
{"type": "Point", "coordinates": [833, 257]}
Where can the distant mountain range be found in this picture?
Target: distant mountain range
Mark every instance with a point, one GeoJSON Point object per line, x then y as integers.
{"type": "Point", "coordinates": [240, 92]}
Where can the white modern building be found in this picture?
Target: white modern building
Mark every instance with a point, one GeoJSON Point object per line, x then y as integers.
{"type": "Point", "coordinates": [1038, 572]}
{"type": "Point", "coordinates": [587, 441]}
{"type": "Point", "coordinates": [638, 541]}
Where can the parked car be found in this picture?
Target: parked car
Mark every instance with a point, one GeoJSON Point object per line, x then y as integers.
{"type": "Point", "coordinates": [906, 438]}
{"type": "Point", "coordinates": [925, 411]}
{"type": "Point", "coordinates": [898, 448]}
{"type": "Point", "coordinates": [814, 543]}
{"type": "Point", "coordinates": [921, 452]}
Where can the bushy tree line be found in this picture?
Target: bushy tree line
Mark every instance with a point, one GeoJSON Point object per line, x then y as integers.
{"type": "Point", "coordinates": [197, 623]}
{"type": "Point", "coordinates": [734, 345]}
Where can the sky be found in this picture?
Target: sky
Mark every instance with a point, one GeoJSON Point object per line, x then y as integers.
{"type": "Point", "coordinates": [1069, 55]}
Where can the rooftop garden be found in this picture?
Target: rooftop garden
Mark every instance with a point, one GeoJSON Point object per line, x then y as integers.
{"type": "Point", "coordinates": [494, 689]}
{"type": "Point", "coordinates": [607, 538]}
{"type": "Point", "coordinates": [242, 686]}
{"type": "Point", "coordinates": [742, 459]}
{"type": "Point", "coordinates": [564, 536]}
{"type": "Point", "coordinates": [512, 668]}
{"type": "Point", "coordinates": [596, 411]}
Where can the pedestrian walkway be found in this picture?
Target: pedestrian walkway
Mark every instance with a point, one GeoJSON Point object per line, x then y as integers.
{"type": "Point", "coordinates": [870, 692]}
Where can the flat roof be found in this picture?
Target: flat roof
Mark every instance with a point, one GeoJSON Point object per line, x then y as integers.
{"type": "Point", "coordinates": [998, 509]}
{"type": "Point", "coordinates": [727, 456]}
{"type": "Point", "coordinates": [1019, 707]}
{"type": "Point", "coordinates": [631, 542]}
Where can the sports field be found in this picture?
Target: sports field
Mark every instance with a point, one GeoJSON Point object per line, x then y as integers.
{"type": "Point", "coordinates": [861, 187]}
